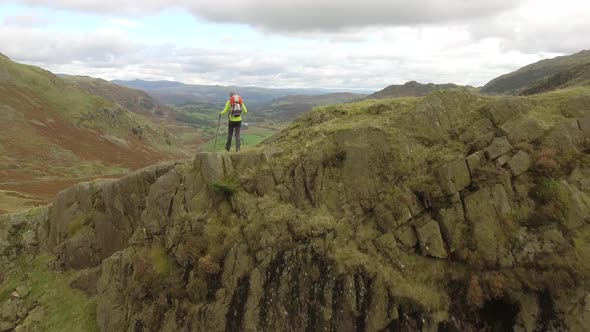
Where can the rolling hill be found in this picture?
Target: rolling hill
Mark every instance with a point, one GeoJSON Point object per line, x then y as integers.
{"type": "Point", "coordinates": [180, 94]}
{"type": "Point", "coordinates": [132, 99]}
{"type": "Point", "coordinates": [288, 108]}
{"type": "Point", "coordinates": [576, 76]}
{"type": "Point", "coordinates": [409, 89]}
{"type": "Point", "coordinates": [51, 130]}
{"type": "Point", "coordinates": [533, 74]}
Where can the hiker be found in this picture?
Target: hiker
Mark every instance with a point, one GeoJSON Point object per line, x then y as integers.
{"type": "Point", "coordinates": [235, 106]}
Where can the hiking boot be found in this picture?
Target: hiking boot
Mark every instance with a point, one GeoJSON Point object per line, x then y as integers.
{"type": "Point", "coordinates": [227, 148]}
{"type": "Point", "coordinates": [237, 149]}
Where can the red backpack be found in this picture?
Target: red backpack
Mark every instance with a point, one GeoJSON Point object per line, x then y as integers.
{"type": "Point", "coordinates": [236, 103]}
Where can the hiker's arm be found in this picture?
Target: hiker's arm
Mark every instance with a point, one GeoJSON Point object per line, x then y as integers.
{"type": "Point", "coordinates": [226, 109]}
{"type": "Point", "coordinates": [245, 109]}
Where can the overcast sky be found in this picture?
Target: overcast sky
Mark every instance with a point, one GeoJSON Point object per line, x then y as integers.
{"type": "Point", "coordinates": [365, 44]}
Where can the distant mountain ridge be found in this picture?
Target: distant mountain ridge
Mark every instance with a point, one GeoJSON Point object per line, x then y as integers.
{"type": "Point", "coordinates": [530, 75]}
{"type": "Point", "coordinates": [179, 94]}
{"type": "Point", "coordinates": [410, 89]}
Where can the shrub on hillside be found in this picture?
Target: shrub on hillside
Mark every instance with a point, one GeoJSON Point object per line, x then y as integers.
{"type": "Point", "coordinates": [226, 187]}
{"type": "Point", "coordinates": [553, 201]}
{"type": "Point", "coordinates": [475, 296]}
{"type": "Point", "coordinates": [207, 265]}
{"type": "Point", "coordinates": [549, 162]}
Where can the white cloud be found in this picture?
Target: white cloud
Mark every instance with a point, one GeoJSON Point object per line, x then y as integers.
{"type": "Point", "coordinates": [123, 23]}
{"type": "Point", "coordinates": [540, 26]}
{"type": "Point", "coordinates": [333, 15]}
{"type": "Point", "coordinates": [312, 43]}
{"type": "Point", "coordinates": [104, 47]}
{"type": "Point", "coordinates": [26, 20]}
{"type": "Point", "coordinates": [301, 15]}
{"type": "Point", "coordinates": [396, 55]}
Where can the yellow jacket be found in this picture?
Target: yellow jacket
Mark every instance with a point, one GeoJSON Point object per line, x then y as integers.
{"type": "Point", "coordinates": [233, 118]}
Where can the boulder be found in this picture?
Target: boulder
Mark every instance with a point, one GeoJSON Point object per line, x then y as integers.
{"type": "Point", "coordinates": [584, 125]}
{"type": "Point", "coordinates": [388, 245]}
{"type": "Point", "coordinates": [379, 108]}
{"type": "Point", "coordinates": [481, 143]}
{"type": "Point", "coordinates": [382, 312]}
{"type": "Point", "coordinates": [578, 212]}
{"type": "Point", "coordinates": [11, 310]}
{"type": "Point", "coordinates": [23, 291]}
{"type": "Point", "coordinates": [476, 130]}
{"type": "Point", "coordinates": [111, 302]}
{"type": "Point", "coordinates": [580, 177]}
{"type": "Point", "coordinates": [30, 240]}
{"type": "Point", "coordinates": [33, 319]}
{"type": "Point", "coordinates": [483, 210]}
{"type": "Point", "coordinates": [502, 160]}
{"type": "Point", "coordinates": [385, 218]}
{"type": "Point", "coordinates": [499, 146]}
{"type": "Point", "coordinates": [565, 137]}
{"type": "Point", "coordinates": [520, 163]}
{"type": "Point", "coordinates": [475, 161]}
{"type": "Point", "coordinates": [265, 184]}
{"type": "Point", "coordinates": [441, 114]}
{"type": "Point", "coordinates": [210, 166]}
{"type": "Point", "coordinates": [502, 110]}
{"type": "Point", "coordinates": [86, 280]}
{"type": "Point", "coordinates": [79, 251]}
{"type": "Point", "coordinates": [522, 129]}
{"type": "Point", "coordinates": [406, 235]}
{"type": "Point", "coordinates": [453, 176]}
{"type": "Point", "coordinates": [6, 326]}
{"type": "Point", "coordinates": [5, 243]}
{"type": "Point", "coordinates": [452, 225]}
{"type": "Point", "coordinates": [430, 239]}
{"type": "Point", "coordinates": [72, 206]}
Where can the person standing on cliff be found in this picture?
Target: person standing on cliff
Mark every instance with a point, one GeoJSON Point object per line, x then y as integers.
{"type": "Point", "coordinates": [235, 106]}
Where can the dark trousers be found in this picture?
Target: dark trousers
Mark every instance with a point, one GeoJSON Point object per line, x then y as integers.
{"type": "Point", "coordinates": [231, 127]}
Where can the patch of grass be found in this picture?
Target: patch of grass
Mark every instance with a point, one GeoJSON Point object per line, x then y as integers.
{"type": "Point", "coordinates": [250, 137]}
{"type": "Point", "coordinates": [553, 202]}
{"type": "Point", "coordinates": [475, 294]}
{"type": "Point", "coordinates": [226, 186]}
{"type": "Point", "coordinates": [197, 289]}
{"type": "Point", "coordinates": [75, 225]}
{"type": "Point", "coordinates": [549, 162]}
{"type": "Point", "coordinates": [161, 262]}
{"type": "Point", "coordinates": [66, 309]}
{"type": "Point", "coordinates": [207, 265]}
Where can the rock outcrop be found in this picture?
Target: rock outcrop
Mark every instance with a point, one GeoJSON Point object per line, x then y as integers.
{"type": "Point", "coordinates": [360, 227]}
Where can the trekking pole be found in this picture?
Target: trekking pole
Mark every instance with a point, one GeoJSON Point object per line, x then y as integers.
{"type": "Point", "coordinates": [217, 133]}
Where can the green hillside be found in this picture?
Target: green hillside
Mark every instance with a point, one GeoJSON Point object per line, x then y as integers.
{"type": "Point", "coordinates": [134, 100]}
{"type": "Point", "coordinates": [576, 76]}
{"type": "Point", "coordinates": [288, 108]}
{"type": "Point", "coordinates": [50, 129]}
{"type": "Point", "coordinates": [528, 76]}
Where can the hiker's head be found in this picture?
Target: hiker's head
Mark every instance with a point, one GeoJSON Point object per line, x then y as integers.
{"type": "Point", "coordinates": [231, 94]}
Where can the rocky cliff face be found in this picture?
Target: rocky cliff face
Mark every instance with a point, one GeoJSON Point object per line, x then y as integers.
{"type": "Point", "coordinates": [453, 212]}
